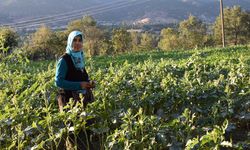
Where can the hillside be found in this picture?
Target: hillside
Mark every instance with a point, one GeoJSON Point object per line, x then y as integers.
{"type": "Point", "coordinates": [159, 11]}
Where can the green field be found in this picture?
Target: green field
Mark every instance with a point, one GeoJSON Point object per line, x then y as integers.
{"type": "Point", "coordinates": [198, 99]}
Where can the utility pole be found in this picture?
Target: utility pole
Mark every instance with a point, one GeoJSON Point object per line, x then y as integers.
{"type": "Point", "coordinates": [222, 23]}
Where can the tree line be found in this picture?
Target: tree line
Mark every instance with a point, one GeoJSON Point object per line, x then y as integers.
{"type": "Point", "coordinates": [188, 34]}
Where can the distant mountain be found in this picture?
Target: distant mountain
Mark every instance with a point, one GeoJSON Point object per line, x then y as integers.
{"type": "Point", "coordinates": [22, 9]}
{"type": "Point", "coordinates": [172, 10]}
{"type": "Point", "coordinates": [115, 11]}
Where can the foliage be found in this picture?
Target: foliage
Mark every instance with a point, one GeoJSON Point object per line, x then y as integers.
{"type": "Point", "coordinates": [192, 32]}
{"type": "Point", "coordinates": [101, 40]}
{"type": "Point", "coordinates": [106, 47]}
{"type": "Point", "coordinates": [160, 100]}
{"type": "Point", "coordinates": [135, 40]}
{"type": "Point", "coordinates": [169, 39]}
{"type": "Point", "coordinates": [213, 138]}
{"type": "Point", "coordinates": [92, 35]}
{"type": "Point", "coordinates": [81, 24]}
{"type": "Point", "coordinates": [43, 44]}
{"type": "Point", "coordinates": [92, 42]}
{"type": "Point", "coordinates": [121, 40]}
{"type": "Point", "coordinates": [9, 39]}
{"type": "Point", "coordinates": [3, 49]}
{"type": "Point", "coordinates": [148, 41]}
{"type": "Point", "coordinates": [236, 24]}
{"type": "Point", "coordinates": [60, 42]}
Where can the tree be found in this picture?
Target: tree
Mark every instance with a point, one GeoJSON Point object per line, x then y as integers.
{"type": "Point", "coordinates": [106, 47]}
{"type": "Point", "coordinates": [236, 26]}
{"type": "Point", "coordinates": [105, 44]}
{"type": "Point", "coordinates": [9, 38]}
{"type": "Point", "coordinates": [59, 41]}
{"type": "Point", "coordinates": [89, 21]}
{"type": "Point", "coordinates": [148, 41]}
{"type": "Point", "coordinates": [92, 34]}
{"type": "Point", "coordinates": [3, 49]}
{"type": "Point", "coordinates": [41, 44]}
{"type": "Point", "coordinates": [135, 40]}
{"type": "Point", "coordinates": [192, 32]}
{"type": "Point", "coordinates": [121, 40]}
{"type": "Point", "coordinates": [169, 39]}
{"type": "Point", "coordinates": [81, 24]}
{"type": "Point", "coordinates": [75, 25]}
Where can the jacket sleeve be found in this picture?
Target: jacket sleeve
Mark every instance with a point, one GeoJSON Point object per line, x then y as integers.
{"type": "Point", "coordinates": [61, 71]}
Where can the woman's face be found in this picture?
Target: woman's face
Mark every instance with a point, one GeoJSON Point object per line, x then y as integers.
{"type": "Point", "coordinates": [77, 43]}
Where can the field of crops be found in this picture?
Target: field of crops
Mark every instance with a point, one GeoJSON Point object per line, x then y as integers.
{"type": "Point", "coordinates": [197, 99]}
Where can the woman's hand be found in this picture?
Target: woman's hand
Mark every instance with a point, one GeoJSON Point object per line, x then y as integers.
{"type": "Point", "coordinates": [85, 85]}
{"type": "Point", "coordinates": [92, 83]}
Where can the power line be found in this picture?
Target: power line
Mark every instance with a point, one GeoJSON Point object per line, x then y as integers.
{"type": "Point", "coordinates": [61, 14]}
{"type": "Point", "coordinates": [73, 15]}
{"type": "Point", "coordinates": [80, 15]}
{"type": "Point", "coordinates": [70, 16]}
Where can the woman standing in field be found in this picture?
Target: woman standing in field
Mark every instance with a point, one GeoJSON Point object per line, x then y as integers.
{"type": "Point", "coordinates": [72, 79]}
{"type": "Point", "coordinates": [71, 76]}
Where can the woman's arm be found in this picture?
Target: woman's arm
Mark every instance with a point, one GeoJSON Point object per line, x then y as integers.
{"type": "Point", "coordinates": [61, 71]}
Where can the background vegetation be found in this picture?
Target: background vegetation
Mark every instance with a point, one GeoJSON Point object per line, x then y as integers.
{"type": "Point", "coordinates": [188, 34]}
{"type": "Point", "coordinates": [148, 95]}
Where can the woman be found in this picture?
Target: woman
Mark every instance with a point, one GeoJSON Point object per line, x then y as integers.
{"type": "Point", "coordinates": [72, 79]}
{"type": "Point", "coordinates": [71, 76]}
